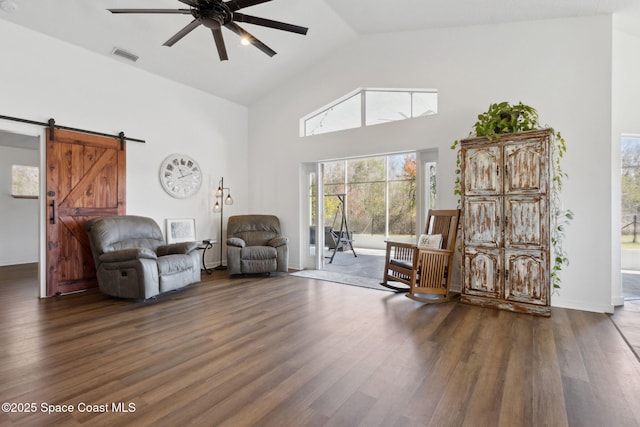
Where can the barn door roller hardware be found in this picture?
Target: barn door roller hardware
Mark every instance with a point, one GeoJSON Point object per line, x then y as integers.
{"type": "Point", "coordinates": [51, 124]}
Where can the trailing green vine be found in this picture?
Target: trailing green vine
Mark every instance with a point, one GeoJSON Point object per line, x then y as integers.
{"type": "Point", "coordinates": [502, 118]}
{"type": "Point", "coordinates": [559, 217]}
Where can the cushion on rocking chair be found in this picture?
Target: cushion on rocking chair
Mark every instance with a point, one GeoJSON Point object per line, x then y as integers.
{"type": "Point", "coordinates": [401, 263]}
{"type": "Point", "coordinates": [430, 241]}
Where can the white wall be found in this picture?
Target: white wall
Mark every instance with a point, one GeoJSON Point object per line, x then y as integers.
{"type": "Point", "coordinates": [42, 78]}
{"type": "Point", "coordinates": [626, 121]}
{"type": "Point", "coordinates": [18, 217]}
{"type": "Point", "coordinates": [561, 67]}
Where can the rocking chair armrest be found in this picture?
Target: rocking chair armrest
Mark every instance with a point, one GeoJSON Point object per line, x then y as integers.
{"type": "Point", "coordinates": [402, 254]}
{"type": "Point", "coordinates": [401, 244]}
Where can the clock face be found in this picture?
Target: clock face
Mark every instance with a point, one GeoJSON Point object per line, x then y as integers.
{"type": "Point", "coordinates": [180, 176]}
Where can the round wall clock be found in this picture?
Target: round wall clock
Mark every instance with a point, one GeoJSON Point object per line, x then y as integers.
{"type": "Point", "coordinates": [180, 176]}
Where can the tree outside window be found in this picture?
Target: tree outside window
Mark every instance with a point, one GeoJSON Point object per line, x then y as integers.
{"type": "Point", "coordinates": [380, 194]}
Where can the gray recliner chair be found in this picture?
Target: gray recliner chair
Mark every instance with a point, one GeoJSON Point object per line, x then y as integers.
{"type": "Point", "coordinates": [132, 260]}
{"type": "Point", "coordinates": [255, 245]}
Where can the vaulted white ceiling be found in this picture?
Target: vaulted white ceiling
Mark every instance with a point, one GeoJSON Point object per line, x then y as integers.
{"type": "Point", "coordinates": [249, 73]}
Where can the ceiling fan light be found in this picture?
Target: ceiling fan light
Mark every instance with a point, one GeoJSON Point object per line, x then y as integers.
{"type": "Point", "coordinates": [244, 41]}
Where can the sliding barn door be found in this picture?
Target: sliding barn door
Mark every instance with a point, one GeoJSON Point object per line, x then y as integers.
{"type": "Point", "coordinates": [85, 179]}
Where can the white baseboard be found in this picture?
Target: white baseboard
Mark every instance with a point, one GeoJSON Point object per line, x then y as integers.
{"type": "Point", "coordinates": [5, 263]}
{"type": "Point", "coordinates": [577, 305]}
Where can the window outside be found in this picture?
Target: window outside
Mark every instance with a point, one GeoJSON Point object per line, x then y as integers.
{"type": "Point", "coordinates": [630, 192]}
{"type": "Point", "coordinates": [380, 194]}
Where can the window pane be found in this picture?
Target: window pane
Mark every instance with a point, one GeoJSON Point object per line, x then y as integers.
{"type": "Point", "coordinates": [366, 170]}
{"type": "Point", "coordinates": [333, 172]}
{"type": "Point", "coordinates": [382, 107]}
{"type": "Point", "coordinates": [630, 151]}
{"type": "Point", "coordinates": [313, 199]}
{"type": "Point", "coordinates": [332, 205]}
{"type": "Point", "coordinates": [430, 184]}
{"type": "Point", "coordinates": [24, 181]}
{"type": "Point", "coordinates": [402, 208]}
{"type": "Point", "coordinates": [402, 166]}
{"type": "Point", "coordinates": [365, 208]}
{"type": "Point", "coordinates": [367, 183]}
{"type": "Point", "coordinates": [345, 115]}
{"type": "Point", "coordinates": [424, 103]}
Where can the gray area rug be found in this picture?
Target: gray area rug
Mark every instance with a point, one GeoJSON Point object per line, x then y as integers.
{"type": "Point", "coordinates": [345, 279]}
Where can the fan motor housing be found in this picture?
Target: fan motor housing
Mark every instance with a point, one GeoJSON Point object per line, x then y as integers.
{"type": "Point", "coordinates": [217, 11]}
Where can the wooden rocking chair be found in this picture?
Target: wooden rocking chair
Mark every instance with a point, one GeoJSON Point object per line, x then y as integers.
{"type": "Point", "coordinates": [422, 272]}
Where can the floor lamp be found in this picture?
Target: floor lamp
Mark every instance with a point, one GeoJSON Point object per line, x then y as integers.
{"type": "Point", "coordinates": [219, 207]}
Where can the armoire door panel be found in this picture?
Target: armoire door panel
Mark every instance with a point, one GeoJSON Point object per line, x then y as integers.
{"type": "Point", "coordinates": [525, 277]}
{"type": "Point", "coordinates": [481, 170]}
{"type": "Point", "coordinates": [525, 222]}
{"type": "Point", "coordinates": [482, 221]}
{"type": "Point", "coordinates": [525, 167]}
{"type": "Point", "coordinates": [482, 272]}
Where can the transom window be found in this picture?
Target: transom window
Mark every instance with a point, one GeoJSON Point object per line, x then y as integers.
{"type": "Point", "coordinates": [366, 107]}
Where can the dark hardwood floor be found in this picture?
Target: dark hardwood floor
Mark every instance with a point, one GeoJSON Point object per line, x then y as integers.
{"type": "Point", "coordinates": [290, 351]}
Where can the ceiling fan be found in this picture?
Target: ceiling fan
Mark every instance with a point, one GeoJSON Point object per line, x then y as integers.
{"type": "Point", "coordinates": [215, 14]}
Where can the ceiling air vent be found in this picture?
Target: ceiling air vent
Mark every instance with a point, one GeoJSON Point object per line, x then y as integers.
{"type": "Point", "coordinates": [124, 54]}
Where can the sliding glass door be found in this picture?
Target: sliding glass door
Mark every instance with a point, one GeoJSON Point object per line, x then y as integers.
{"type": "Point", "coordinates": [382, 197]}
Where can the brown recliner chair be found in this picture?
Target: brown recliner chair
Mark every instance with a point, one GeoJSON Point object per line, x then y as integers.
{"type": "Point", "coordinates": [255, 245]}
{"type": "Point", "coordinates": [133, 261]}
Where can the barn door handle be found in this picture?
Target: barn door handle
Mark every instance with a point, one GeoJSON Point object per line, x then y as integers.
{"type": "Point", "coordinates": [52, 220]}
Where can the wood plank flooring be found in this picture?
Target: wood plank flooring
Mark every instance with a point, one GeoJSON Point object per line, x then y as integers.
{"type": "Point", "coordinates": [627, 319]}
{"type": "Point", "coordinates": [291, 351]}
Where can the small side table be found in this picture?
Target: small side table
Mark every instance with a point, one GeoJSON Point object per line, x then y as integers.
{"type": "Point", "coordinates": [204, 246]}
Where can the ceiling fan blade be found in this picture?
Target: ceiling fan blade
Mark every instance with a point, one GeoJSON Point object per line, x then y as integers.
{"type": "Point", "coordinates": [172, 11]}
{"type": "Point", "coordinates": [222, 50]}
{"type": "Point", "coordinates": [183, 32]}
{"type": "Point", "coordinates": [241, 17]}
{"type": "Point", "coordinates": [254, 41]}
{"type": "Point", "coordinates": [240, 4]}
{"type": "Point", "coordinates": [192, 3]}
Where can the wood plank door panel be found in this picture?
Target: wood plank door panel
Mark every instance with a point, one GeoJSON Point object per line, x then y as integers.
{"type": "Point", "coordinates": [525, 277]}
{"type": "Point", "coordinates": [525, 167]}
{"type": "Point", "coordinates": [481, 173]}
{"type": "Point", "coordinates": [483, 272]}
{"type": "Point", "coordinates": [482, 221]}
{"type": "Point", "coordinates": [526, 222]}
{"type": "Point", "coordinates": [86, 178]}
